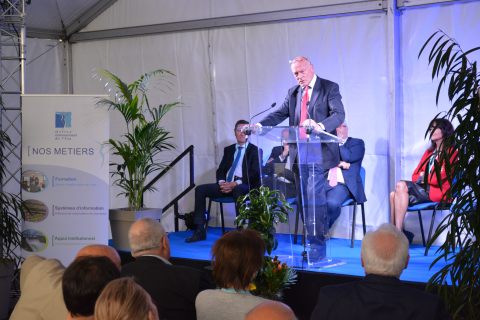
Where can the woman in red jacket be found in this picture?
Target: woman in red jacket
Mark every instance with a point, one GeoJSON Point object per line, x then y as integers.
{"type": "Point", "coordinates": [410, 193]}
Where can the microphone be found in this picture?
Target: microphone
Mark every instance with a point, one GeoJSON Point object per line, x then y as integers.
{"type": "Point", "coordinates": [309, 128]}
{"type": "Point", "coordinates": [248, 131]}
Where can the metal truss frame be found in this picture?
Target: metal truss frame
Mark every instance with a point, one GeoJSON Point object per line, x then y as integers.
{"type": "Point", "coordinates": [12, 61]}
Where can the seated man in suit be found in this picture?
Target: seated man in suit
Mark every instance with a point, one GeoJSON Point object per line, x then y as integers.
{"type": "Point", "coordinates": [347, 183]}
{"type": "Point", "coordinates": [381, 294]}
{"type": "Point", "coordinates": [173, 288]}
{"type": "Point", "coordinates": [82, 283]}
{"type": "Point", "coordinates": [41, 285]}
{"type": "Point", "coordinates": [238, 173]}
{"type": "Point", "coordinates": [277, 170]}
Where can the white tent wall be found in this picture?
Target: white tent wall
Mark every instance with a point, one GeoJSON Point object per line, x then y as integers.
{"type": "Point", "coordinates": [249, 71]}
{"type": "Point", "coordinates": [125, 13]}
{"type": "Point", "coordinates": [459, 21]}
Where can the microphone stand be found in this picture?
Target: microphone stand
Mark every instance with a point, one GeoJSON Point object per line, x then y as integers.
{"type": "Point", "coordinates": [248, 130]}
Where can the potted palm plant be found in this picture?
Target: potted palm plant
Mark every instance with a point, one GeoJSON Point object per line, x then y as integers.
{"type": "Point", "coordinates": [456, 69]}
{"type": "Point", "coordinates": [12, 212]}
{"type": "Point", "coordinates": [144, 140]}
{"type": "Point", "coordinates": [263, 209]}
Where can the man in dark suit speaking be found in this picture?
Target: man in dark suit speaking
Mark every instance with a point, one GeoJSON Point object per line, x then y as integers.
{"type": "Point", "coordinates": [173, 288]}
{"type": "Point", "coordinates": [238, 173]}
{"type": "Point", "coordinates": [348, 180]}
{"type": "Point", "coordinates": [381, 294]}
{"type": "Point", "coordinates": [318, 97]}
{"type": "Point", "coordinates": [316, 102]}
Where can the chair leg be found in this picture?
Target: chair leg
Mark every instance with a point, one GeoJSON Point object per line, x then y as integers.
{"type": "Point", "coordinates": [421, 227]}
{"type": "Point", "coordinates": [208, 215]}
{"type": "Point", "coordinates": [296, 227]}
{"type": "Point", "coordinates": [431, 228]}
{"type": "Point", "coordinates": [221, 214]}
{"type": "Point", "coordinates": [363, 219]}
{"type": "Point", "coordinates": [354, 221]}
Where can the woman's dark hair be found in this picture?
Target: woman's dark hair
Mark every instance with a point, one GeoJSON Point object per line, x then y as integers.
{"type": "Point", "coordinates": [236, 256]}
{"type": "Point", "coordinates": [447, 130]}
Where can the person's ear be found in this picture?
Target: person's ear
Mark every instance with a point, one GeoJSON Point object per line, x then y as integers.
{"type": "Point", "coordinates": [406, 263]}
{"type": "Point", "coordinates": [361, 259]}
{"type": "Point", "coordinates": [150, 315]}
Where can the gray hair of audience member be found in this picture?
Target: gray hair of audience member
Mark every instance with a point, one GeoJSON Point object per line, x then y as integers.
{"type": "Point", "coordinates": [385, 251]}
{"type": "Point", "coordinates": [150, 237]}
{"type": "Point", "coordinates": [300, 59]}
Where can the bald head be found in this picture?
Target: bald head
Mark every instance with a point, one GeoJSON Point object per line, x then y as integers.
{"type": "Point", "coordinates": [148, 236]}
{"type": "Point", "coordinates": [271, 310]}
{"type": "Point", "coordinates": [100, 250]}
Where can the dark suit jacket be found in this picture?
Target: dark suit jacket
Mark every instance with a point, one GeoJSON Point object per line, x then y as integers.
{"type": "Point", "coordinates": [172, 288]}
{"type": "Point", "coordinates": [352, 152]}
{"type": "Point", "coordinates": [325, 107]}
{"type": "Point", "coordinates": [251, 176]}
{"type": "Point", "coordinates": [377, 297]}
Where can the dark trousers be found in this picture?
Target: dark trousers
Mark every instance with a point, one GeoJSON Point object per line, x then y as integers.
{"type": "Point", "coordinates": [212, 190]}
{"type": "Point", "coordinates": [336, 196]}
{"type": "Point", "coordinates": [313, 203]}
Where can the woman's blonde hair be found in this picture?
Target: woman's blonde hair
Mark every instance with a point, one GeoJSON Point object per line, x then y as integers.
{"type": "Point", "coordinates": [123, 299]}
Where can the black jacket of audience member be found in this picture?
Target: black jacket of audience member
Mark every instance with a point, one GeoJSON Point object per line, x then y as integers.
{"type": "Point", "coordinates": [172, 288]}
{"type": "Point", "coordinates": [377, 297]}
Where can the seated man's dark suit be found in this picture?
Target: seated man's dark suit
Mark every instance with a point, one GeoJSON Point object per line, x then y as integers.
{"type": "Point", "coordinates": [273, 167]}
{"type": "Point", "coordinates": [172, 288]}
{"type": "Point", "coordinates": [377, 297]}
{"type": "Point", "coordinates": [250, 180]}
{"type": "Point", "coordinates": [352, 151]}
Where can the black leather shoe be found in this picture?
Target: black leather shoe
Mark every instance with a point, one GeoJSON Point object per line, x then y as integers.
{"type": "Point", "coordinates": [409, 236]}
{"type": "Point", "coordinates": [197, 236]}
{"type": "Point", "coordinates": [316, 255]}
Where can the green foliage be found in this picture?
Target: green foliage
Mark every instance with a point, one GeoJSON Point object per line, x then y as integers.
{"type": "Point", "coordinates": [263, 211]}
{"type": "Point", "coordinates": [145, 138]}
{"type": "Point", "coordinates": [452, 66]}
{"type": "Point", "coordinates": [12, 211]}
{"type": "Point", "coordinates": [272, 279]}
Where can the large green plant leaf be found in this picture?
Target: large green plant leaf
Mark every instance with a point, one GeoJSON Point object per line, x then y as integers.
{"type": "Point", "coordinates": [452, 65]}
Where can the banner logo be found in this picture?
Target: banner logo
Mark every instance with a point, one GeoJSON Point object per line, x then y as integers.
{"type": "Point", "coordinates": [63, 119]}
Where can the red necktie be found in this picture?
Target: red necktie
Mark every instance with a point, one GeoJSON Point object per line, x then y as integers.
{"type": "Point", "coordinates": [333, 177]}
{"type": "Point", "coordinates": [303, 112]}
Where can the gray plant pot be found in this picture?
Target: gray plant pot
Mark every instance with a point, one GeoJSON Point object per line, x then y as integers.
{"type": "Point", "coordinates": [6, 275]}
{"type": "Point", "coordinates": [121, 220]}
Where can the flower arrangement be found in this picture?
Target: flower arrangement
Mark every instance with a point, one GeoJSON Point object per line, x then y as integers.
{"type": "Point", "coordinates": [263, 211]}
{"type": "Point", "coordinates": [272, 279]}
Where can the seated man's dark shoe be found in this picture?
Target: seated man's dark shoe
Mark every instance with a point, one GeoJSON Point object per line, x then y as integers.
{"type": "Point", "coordinates": [197, 236]}
{"type": "Point", "coordinates": [409, 236]}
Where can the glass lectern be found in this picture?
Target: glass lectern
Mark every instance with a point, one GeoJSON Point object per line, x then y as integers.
{"type": "Point", "coordinates": [292, 164]}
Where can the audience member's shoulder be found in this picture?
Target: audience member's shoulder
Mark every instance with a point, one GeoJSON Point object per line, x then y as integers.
{"type": "Point", "coordinates": [37, 262]}
{"type": "Point", "coordinates": [338, 289]}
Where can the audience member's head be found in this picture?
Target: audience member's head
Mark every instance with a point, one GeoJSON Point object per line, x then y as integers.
{"type": "Point", "coordinates": [385, 251]}
{"type": "Point", "coordinates": [148, 236]}
{"type": "Point", "coordinates": [83, 281]}
{"type": "Point", "coordinates": [271, 310]}
{"type": "Point", "coordinates": [236, 257]}
{"type": "Point", "coordinates": [100, 250]}
{"type": "Point", "coordinates": [123, 299]}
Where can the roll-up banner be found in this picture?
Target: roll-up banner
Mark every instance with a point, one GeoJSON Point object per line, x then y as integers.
{"type": "Point", "coordinates": [65, 177]}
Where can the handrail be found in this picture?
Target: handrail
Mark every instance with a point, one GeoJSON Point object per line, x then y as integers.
{"type": "Point", "coordinates": [174, 202]}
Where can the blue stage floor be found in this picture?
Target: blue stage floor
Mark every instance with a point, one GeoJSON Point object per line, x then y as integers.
{"type": "Point", "coordinates": [417, 271]}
